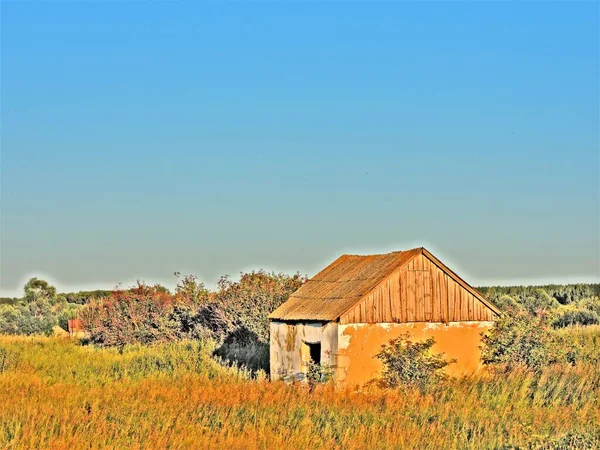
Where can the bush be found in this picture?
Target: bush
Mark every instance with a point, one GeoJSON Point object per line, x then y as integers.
{"type": "Point", "coordinates": [591, 304]}
{"type": "Point", "coordinates": [411, 364]}
{"type": "Point", "coordinates": [36, 317]}
{"type": "Point", "coordinates": [571, 317]}
{"type": "Point", "coordinates": [519, 341]}
{"type": "Point", "coordinates": [318, 373]}
{"type": "Point", "coordinates": [507, 304]}
{"type": "Point", "coordinates": [140, 315]}
{"type": "Point", "coordinates": [249, 301]}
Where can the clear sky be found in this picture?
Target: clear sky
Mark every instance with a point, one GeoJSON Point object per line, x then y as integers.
{"type": "Point", "coordinates": [139, 139]}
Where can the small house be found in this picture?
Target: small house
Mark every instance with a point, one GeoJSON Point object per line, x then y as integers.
{"type": "Point", "coordinates": [344, 314]}
{"type": "Point", "coordinates": [75, 328]}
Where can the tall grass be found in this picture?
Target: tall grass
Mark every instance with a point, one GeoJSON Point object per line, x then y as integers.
{"type": "Point", "coordinates": [59, 395]}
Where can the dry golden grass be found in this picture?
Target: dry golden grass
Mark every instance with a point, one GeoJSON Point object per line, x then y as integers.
{"type": "Point", "coordinates": [56, 394]}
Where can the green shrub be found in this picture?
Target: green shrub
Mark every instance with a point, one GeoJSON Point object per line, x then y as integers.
{"type": "Point", "coordinates": [591, 304]}
{"type": "Point", "coordinates": [572, 317]}
{"type": "Point", "coordinates": [318, 373]}
{"type": "Point", "coordinates": [518, 341]}
{"type": "Point", "coordinates": [35, 317]}
{"type": "Point", "coordinates": [249, 301]}
{"type": "Point", "coordinates": [410, 364]}
{"type": "Point", "coordinates": [507, 304]}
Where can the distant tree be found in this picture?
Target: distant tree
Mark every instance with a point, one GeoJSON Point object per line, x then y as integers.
{"type": "Point", "coordinates": [538, 300]}
{"type": "Point", "coordinates": [9, 300]}
{"type": "Point", "coordinates": [83, 297]}
{"type": "Point", "coordinates": [36, 289]}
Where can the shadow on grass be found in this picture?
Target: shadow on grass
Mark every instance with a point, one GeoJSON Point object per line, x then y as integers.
{"type": "Point", "coordinates": [243, 348]}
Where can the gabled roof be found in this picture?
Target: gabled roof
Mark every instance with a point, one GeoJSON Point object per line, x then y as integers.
{"type": "Point", "coordinates": [348, 279]}
{"type": "Point", "coordinates": [341, 284]}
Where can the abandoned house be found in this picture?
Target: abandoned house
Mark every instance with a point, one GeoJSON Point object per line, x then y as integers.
{"type": "Point", "coordinates": [343, 315]}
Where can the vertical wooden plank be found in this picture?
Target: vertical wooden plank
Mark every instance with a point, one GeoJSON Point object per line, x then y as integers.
{"type": "Point", "coordinates": [451, 300]}
{"type": "Point", "coordinates": [395, 298]}
{"type": "Point", "coordinates": [418, 262]}
{"type": "Point", "coordinates": [381, 296]}
{"type": "Point", "coordinates": [442, 295]}
{"type": "Point", "coordinates": [419, 295]}
{"type": "Point", "coordinates": [387, 311]}
{"type": "Point", "coordinates": [427, 297]}
{"type": "Point", "coordinates": [403, 297]}
{"type": "Point", "coordinates": [436, 314]}
{"type": "Point", "coordinates": [457, 305]}
{"type": "Point", "coordinates": [360, 312]}
{"type": "Point", "coordinates": [469, 298]}
{"type": "Point", "coordinates": [411, 296]}
{"type": "Point", "coordinates": [464, 303]}
{"type": "Point", "coordinates": [445, 306]}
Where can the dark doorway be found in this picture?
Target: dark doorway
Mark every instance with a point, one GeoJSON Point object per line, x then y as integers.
{"type": "Point", "coordinates": [315, 352]}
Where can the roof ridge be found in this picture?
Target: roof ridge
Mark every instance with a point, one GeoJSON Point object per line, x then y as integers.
{"type": "Point", "coordinates": [383, 254]}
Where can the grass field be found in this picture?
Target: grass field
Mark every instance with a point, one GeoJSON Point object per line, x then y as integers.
{"type": "Point", "coordinates": [57, 394]}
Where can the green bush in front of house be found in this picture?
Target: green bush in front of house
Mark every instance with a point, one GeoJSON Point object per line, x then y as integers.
{"type": "Point", "coordinates": [411, 364]}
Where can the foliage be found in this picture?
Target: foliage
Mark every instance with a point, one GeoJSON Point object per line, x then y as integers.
{"type": "Point", "coordinates": [148, 314]}
{"type": "Point", "coordinates": [318, 373]}
{"type": "Point", "coordinates": [9, 300]}
{"type": "Point", "coordinates": [36, 289]}
{"type": "Point", "coordinates": [36, 317]}
{"type": "Point", "coordinates": [570, 317]}
{"type": "Point", "coordinates": [538, 300]}
{"type": "Point", "coordinates": [175, 396]}
{"type": "Point", "coordinates": [525, 342]}
{"type": "Point", "coordinates": [143, 315]}
{"type": "Point", "coordinates": [563, 294]}
{"type": "Point", "coordinates": [590, 304]}
{"type": "Point", "coordinates": [411, 364]}
{"type": "Point", "coordinates": [83, 297]}
{"type": "Point", "coordinates": [37, 312]}
{"type": "Point", "coordinates": [249, 301]}
{"type": "Point", "coordinates": [520, 341]}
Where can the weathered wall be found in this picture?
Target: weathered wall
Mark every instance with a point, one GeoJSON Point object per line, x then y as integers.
{"type": "Point", "coordinates": [358, 344]}
{"type": "Point", "coordinates": [286, 338]}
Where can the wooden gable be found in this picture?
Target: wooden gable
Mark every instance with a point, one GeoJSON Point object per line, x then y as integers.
{"type": "Point", "coordinates": [422, 290]}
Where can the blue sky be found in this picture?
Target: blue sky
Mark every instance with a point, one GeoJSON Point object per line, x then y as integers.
{"type": "Point", "coordinates": [139, 139]}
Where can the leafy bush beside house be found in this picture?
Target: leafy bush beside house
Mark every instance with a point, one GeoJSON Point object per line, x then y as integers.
{"type": "Point", "coordinates": [236, 314]}
{"type": "Point", "coordinates": [530, 343]}
{"type": "Point", "coordinates": [249, 301]}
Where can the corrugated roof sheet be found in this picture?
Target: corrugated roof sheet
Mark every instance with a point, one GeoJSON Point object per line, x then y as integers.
{"type": "Point", "coordinates": [340, 285]}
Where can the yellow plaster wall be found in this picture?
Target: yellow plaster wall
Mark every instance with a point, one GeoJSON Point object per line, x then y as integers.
{"type": "Point", "coordinates": [359, 343]}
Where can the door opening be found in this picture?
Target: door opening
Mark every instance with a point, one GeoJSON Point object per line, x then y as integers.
{"type": "Point", "coordinates": [315, 352]}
